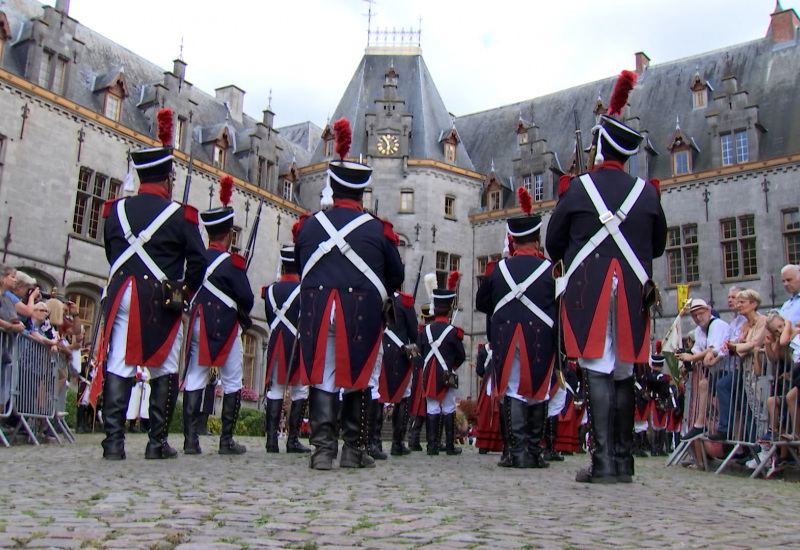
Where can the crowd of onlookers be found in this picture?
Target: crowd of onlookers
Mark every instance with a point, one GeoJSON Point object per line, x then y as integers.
{"type": "Point", "coordinates": [745, 373]}
{"type": "Point", "coordinates": [46, 318]}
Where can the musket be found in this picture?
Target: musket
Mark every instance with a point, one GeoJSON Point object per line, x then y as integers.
{"type": "Point", "coordinates": [419, 274]}
{"type": "Point", "coordinates": [188, 183]}
{"type": "Point", "coordinates": [578, 145]}
{"type": "Point", "coordinates": [251, 240]}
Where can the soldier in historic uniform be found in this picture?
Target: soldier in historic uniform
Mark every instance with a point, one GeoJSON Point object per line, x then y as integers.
{"type": "Point", "coordinates": [220, 311]}
{"type": "Point", "coordinates": [151, 243]}
{"type": "Point", "coordinates": [519, 295]}
{"type": "Point", "coordinates": [399, 350]}
{"type": "Point", "coordinates": [282, 304]}
{"type": "Point", "coordinates": [606, 229]}
{"type": "Point", "coordinates": [349, 265]}
{"type": "Point", "coordinates": [443, 352]}
{"type": "Point", "coordinates": [416, 399]}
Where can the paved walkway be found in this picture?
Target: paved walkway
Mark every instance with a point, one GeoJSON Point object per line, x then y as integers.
{"type": "Point", "coordinates": [68, 497]}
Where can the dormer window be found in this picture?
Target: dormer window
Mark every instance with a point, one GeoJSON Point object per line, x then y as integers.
{"type": "Point", "coordinates": [450, 152]}
{"type": "Point", "coordinates": [681, 163]}
{"type": "Point", "coordinates": [682, 149]}
{"type": "Point", "coordinates": [5, 33]}
{"type": "Point", "coordinates": [699, 89]}
{"type": "Point", "coordinates": [494, 200]}
{"type": "Point", "coordinates": [522, 132]}
{"type": "Point", "coordinates": [328, 139]}
{"type": "Point", "coordinates": [48, 58]}
{"type": "Point", "coordinates": [180, 132]}
{"type": "Point", "coordinates": [522, 139]}
{"type": "Point", "coordinates": [391, 77]}
{"type": "Point", "coordinates": [114, 90]}
{"type": "Point", "coordinates": [700, 99]}
{"type": "Point", "coordinates": [288, 190]}
{"type": "Point", "coordinates": [328, 148]}
{"type": "Point", "coordinates": [735, 149]}
{"type": "Point", "coordinates": [219, 157]}
{"type": "Point", "coordinates": [112, 106]}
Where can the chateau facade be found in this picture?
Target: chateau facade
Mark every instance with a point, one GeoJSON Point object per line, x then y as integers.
{"type": "Point", "coordinates": [722, 135]}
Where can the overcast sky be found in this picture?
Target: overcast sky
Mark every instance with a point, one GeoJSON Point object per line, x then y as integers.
{"type": "Point", "coordinates": [481, 54]}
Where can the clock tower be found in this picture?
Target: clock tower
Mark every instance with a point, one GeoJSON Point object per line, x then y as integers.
{"type": "Point", "coordinates": [389, 127]}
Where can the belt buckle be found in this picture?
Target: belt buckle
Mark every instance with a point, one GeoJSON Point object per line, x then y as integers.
{"type": "Point", "coordinates": [607, 217]}
{"type": "Point", "coordinates": [345, 249]}
{"type": "Point", "coordinates": [325, 246]}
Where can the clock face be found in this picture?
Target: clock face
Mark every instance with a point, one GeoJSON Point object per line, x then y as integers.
{"type": "Point", "coordinates": [388, 144]}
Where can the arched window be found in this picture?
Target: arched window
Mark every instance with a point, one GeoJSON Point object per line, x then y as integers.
{"type": "Point", "coordinates": [86, 311]}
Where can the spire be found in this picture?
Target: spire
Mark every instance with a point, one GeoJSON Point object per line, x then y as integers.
{"type": "Point", "coordinates": [678, 122]}
{"type": "Point", "coordinates": [778, 7]}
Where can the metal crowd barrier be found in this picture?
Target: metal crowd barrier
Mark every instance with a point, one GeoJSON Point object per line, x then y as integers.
{"type": "Point", "coordinates": [30, 388]}
{"type": "Point", "coordinates": [748, 406]}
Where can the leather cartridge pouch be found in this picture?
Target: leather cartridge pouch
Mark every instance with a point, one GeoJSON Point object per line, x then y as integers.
{"type": "Point", "coordinates": [451, 379]}
{"type": "Point", "coordinates": [651, 295]}
{"type": "Point", "coordinates": [175, 295]}
{"type": "Point", "coordinates": [388, 314]}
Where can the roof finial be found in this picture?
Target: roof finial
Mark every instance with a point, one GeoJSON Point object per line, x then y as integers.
{"type": "Point", "coordinates": [778, 6]}
{"type": "Point", "coordinates": [492, 164]}
{"type": "Point", "coordinates": [180, 55]}
{"type": "Point", "coordinates": [678, 122]}
{"type": "Point", "coordinates": [269, 100]}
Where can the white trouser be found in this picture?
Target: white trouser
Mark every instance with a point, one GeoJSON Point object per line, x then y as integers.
{"type": "Point", "coordinates": [407, 391]}
{"type": "Point", "coordinates": [513, 382]}
{"type": "Point", "coordinates": [276, 391]}
{"type": "Point", "coordinates": [640, 427]}
{"type": "Point", "coordinates": [556, 403]}
{"type": "Point", "coordinates": [119, 342]}
{"type": "Point", "coordinates": [139, 403]}
{"type": "Point", "coordinates": [329, 374]}
{"type": "Point", "coordinates": [608, 363]}
{"type": "Point", "coordinates": [230, 374]}
{"type": "Point", "coordinates": [446, 406]}
{"type": "Point", "coordinates": [376, 373]}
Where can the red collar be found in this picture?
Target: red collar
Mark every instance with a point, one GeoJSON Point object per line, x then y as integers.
{"type": "Point", "coordinates": [441, 320]}
{"type": "Point", "coordinates": [527, 252]}
{"type": "Point", "coordinates": [216, 245]}
{"type": "Point", "coordinates": [154, 189]}
{"type": "Point", "coordinates": [611, 165]}
{"type": "Point", "coordinates": [290, 277]}
{"type": "Point", "coordinates": [348, 203]}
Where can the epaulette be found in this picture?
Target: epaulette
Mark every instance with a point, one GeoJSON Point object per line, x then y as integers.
{"type": "Point", "coordinates": [420, 328]}
{"type": "Point", "coordinates": [388, 231]}
{"type": "Point", "coordinates": [563, 184]}
{"type": "Point", "coordinates": [489, 268]}
{"type": "Point", "coordinates": [107, 207]}
{"type": "Point", "coordinates": [190, 213]}
{"type": "Point", "coordinates": [297, 225]}
{"type": "Point", "coordinates": [657, 184]}
{"type": "Point", "coordinates": [460, 333]}
{"type": "Point", "coordinates": [238, 261]}
{"type": "Point", "coordinates": [263, 292]}
{"type": "Point", "coordinates": [406, 299]}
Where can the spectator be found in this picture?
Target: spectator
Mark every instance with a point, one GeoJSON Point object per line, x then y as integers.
{"type": "Point", "coordinates": [42, 331]}
{"type": "Point", "coordinates": [783, 339]}
{"type": "Point", "coordinates": [710, 337]}
{"type": "Point", "coordinates": [790, 277]}
{"type": "Point", "coordinates": [10, 323]}
{"type": "Point", "coordinates": [750, 341]}
{"type": "Point", "coordinates": [25, 294]}
{"type": "Point", "coordinates": [738, 319]}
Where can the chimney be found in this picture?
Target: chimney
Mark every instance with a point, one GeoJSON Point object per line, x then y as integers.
{"type": "Point", "coordinates": [179, 69]}
{"type": "Point", "coordinates": [62, 6]}
{"type": "Point", "coordinates": [268, 118]}
{"type": "Point", "coordinates": [642, 62]}
{"type": "Point", "coordinates": [783, 25]}
{"type": "Point", "coordinates": [233, 96]}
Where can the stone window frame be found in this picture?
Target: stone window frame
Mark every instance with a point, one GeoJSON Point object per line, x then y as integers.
{"type": "Point", "coordinates": [328, 152]}
{"type": "Point", "coordinates": [737, 146]}
{"type": "Point", "coordinates": [236, 238]}
{"type": "Point", "coordinates": [450, 207]}
{"type": "Point", "coordinates": [180, 132]}
{"type": "Point", "coordinates": [288, 190]}
{"type": "Point", "coordinates": [527, 183]}
{"type": "Point", "coordinates": [406, 205]}
{"type": "Point", "coordinates": [738, 241]}
{"type": "Point", "coordinates": [87, 305]}
{"type": "Point", "coordinates": [367, 199]}
{"type": "Point", "coordinates": [791, 235]}
{"type": "Point", "coordinates": [450, 153]}
{"type": "Point", "coordinates": [494, 200]}
{"type": "Point", "coordinates": [445, 263]}
{"type": "Point", "coordinates": [91, 194]}
{"type": "Point", "coordinates": [677, 168]}
{"type": "Point", "coordinates": [249, 360]}
{"type": "Point", "coordinates": [682, 255]}
{"type": "Point", "coordinates": [538, 187]}
{"type": "Point", "coordinates": [109, 100]}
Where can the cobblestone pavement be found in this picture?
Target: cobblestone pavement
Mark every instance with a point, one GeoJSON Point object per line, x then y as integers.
{"type": "Point", "coordinates": [69, 497]}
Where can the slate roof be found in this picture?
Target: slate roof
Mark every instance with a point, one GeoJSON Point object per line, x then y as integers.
{"type": "Point", "coordinates": [305, 134]}
{"type": "Point", "coordinates": [769, 75]}
{"type": "Point", "coordinates": [102, 59]}
{"type": "Point", "coordinates": [416, 87]}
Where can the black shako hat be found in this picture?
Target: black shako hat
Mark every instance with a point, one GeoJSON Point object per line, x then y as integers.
{"type": "Point", "coordinates": [443, 298]}
{"type": "Point", "coordinates": [349, 178]}
{"type": "Point", "coordinates": [217, 221]}
{"type": "Point", "coordinates": [287, 256]}
{"type": "Point", "coordinates": [524, 226]}
{"type": "Point", "coordinates": [153, 165]}
{"type": "Point", "coordinates": [611, 134]}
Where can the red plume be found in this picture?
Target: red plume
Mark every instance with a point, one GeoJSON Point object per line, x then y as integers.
{"type": "Point", "coordinates": [344, 137]}
{"type": "Point", "coordinates": [622, 88]}
{"type": "Point", "coordinates": [452, 280]}
{"type": "Point", "coordinates": [658, 347]}
{"type": "Point", "coordinates": [525, 200]}
{"type": "Point", "coordinates": [225, 190]}
{"type": "Point", "coordinates": [164, 118]}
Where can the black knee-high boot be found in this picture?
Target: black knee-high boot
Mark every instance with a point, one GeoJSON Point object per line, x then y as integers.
{"type": "Point", "coordinates": [537, 418]}
{"type": "Point", "coordinates": [355, 425]}
{"type": "Point", "coordinates": [323, 408]}
{"type": "Point", "coordinates": [551, 435]}
{"type": "Point", "coordinates": [163, 394]}
{"type": "Point", "coordinates": [432, 424]}
{"type": "Point", "coordinates": [399, 422]}
{"type": "Point", "coordinates": [414, 433]}
{"type": "Point", "coordinates": [601, 407]}
{"type": "Point", "coordinates": [625, 406]}
{"type": "Point", "coordinates": [191, 408]}
{"type": "Point", "coordinates": [293, 444]}
{"type": "Point", "coordinates": [450, 435]}
{"type": "Point", "coordinates": [505, 457]}
{"type": "Point", "coordinates": [374, 447]}
{"type": "Point", "coordinates": [231, 403]}
{"type": "Point", "coordinates": [273, 418]}
{"type": "Point", "coordinates": [116, 394]}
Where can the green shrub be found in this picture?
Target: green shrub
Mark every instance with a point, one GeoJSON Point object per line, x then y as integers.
{"type": "Point", "coordinates": [72, 409]}
{"type": "Point", "coordinates": [250, 423]}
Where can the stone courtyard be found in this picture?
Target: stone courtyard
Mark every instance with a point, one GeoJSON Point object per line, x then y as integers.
{"type": "Point", "coordinates": [69, 497]}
